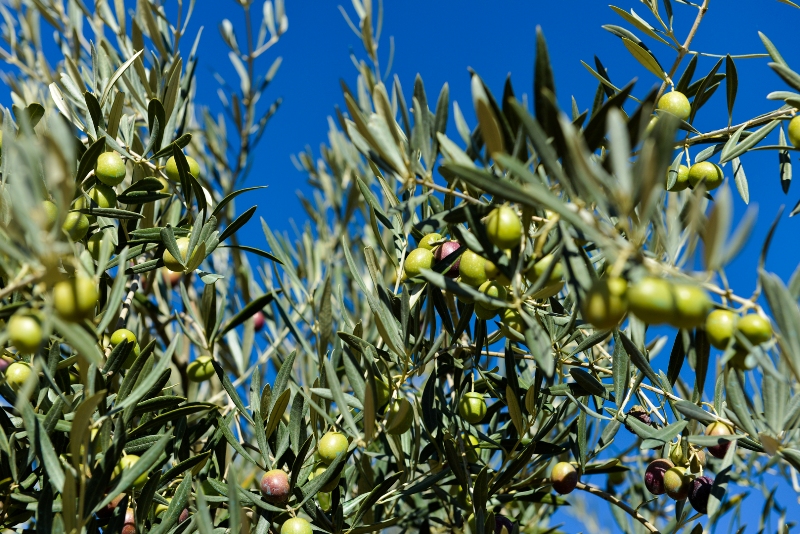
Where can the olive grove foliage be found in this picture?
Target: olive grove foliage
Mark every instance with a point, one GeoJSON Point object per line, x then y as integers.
{"type": "Point", "coordinates": [342, 324]}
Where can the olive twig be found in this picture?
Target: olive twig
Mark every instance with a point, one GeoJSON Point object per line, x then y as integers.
{"type": "Point", "coordinates": [620, 504]}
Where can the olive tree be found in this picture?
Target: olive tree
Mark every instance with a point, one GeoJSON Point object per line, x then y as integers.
{"type": "Point", "coordinates": [460, 339]}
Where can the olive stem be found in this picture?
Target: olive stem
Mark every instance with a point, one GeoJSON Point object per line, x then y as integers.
{"type": "Point", "coordinates": [620, 504]}
{"type": "Point", "coordinates": [684, 49]}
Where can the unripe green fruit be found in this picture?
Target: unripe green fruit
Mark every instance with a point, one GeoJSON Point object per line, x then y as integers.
{"type": "Point", "coordinates": [720, 327]}
{"type": "Point", "coordinates": [615, 478]}
{"type": "Point", "coordinates": [93, 245]}
{"type": "Point", "coordinates": [324, 500]}
{"type": "Point", "coordinates": [718, 428]}
{"type": "Point", "coordinates": [383, 392]}
{"type": "Point", "coordinates": [493, 289]}
{"type": "Point", "coordinates": [121, 335]}
{"type": "Point", "coordinates": [606, 303]}
{"type": "Point", "coordinates": [76, 225]}
{"type": "Point", "coordinates": [51, 214]}
{"type": "Point", "coordinates": [76, 298]}
{"type": "Point", "coordinates": [427, 241]}
{"type": "Point", "coordinates": [161, 508]}
{"type": "Point", "coordinates": [126, 462]}
{"type": "Point", "coordinates": [705, 170]}
{"type": "Point", "coordinates": [25, 333]}
{"type": "Point", "coordinates": [17, 374]}
{"type": "Point", "coordinates": [482, 312]}
{"type": "Point", "coordinates": [677, 455]}
{"type": "Point", "coordinates": [275, 486]}
{"type": "Point", "coordinates": [472, 407]}
{"type": "Point", "coordinates": [110, 169]}
{"type": "Point", "coordinates": [676, 103]}
{"type": "Point", "coordinates": [201, 369]}
{"type": "Point", "coordinates": [691, 306]}
{"type": "Point", "coordinates": [472, 268]}
{"type": "Point", "coordinates": [513, 320]}
{"type": "Point", "coordinates": [794, 131]}
{"type": "Point", "coordinates": [171, 170]}
{"type": "Point", "coordinates": [104, 196]}
{"type": "Point", "coordinates": [493, 273]}
{"type": "Point", "coordinates": [503, 227]}
{"type": "Point", "coordinates": [331, 445]}
{"type": "Point", "coordinates": [418, 259]}
{"type": "Point", "coordinates": [471, 447]}
{"type": "Point", "coordinates": [462, 497]}
{"type": "Point", "coordinates": [400, 417]}
{"type": "Point", "coordinates": [330, 485]}
{"type": "Point", "coordinates": [651, 300]}
{"type": "Point", "coordinates": [564, 477]}
{"type": "Point", "coordinates": [296, 525]}
{"type": "Point", "coordinates": [755, 328]}
{"type": "Point", "coordinates": [682, 181]}
{"type": "Point", "coordinates": [169, 260]}
{"type": "Point", "coordinates": [540, 268]}
{"type": "Point", "coordinates": [676, 483]}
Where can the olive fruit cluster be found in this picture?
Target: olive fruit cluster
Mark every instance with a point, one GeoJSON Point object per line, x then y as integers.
{"type": "Point", "coordinates": [705, 172]}
{"type": "Point", "coordinates": [662, 476]}
{"type": "Point", "coordinates": [722, 327]}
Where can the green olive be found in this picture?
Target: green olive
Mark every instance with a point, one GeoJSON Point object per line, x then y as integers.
{"type": "Point", "coordinates": [471, 447]}
{"type": "Point", "coordinates": [755, 328]}
{"type": "Point", "coordinates": [110, 169]}
{"type": "Point", "coordinates": [201, 369]}
{"type": "Point", "coordinates": [676, 103]}
{"type": "Point", "coordinates": [493, 273]}
{"type": "Point", "coordinates": [472, 268]}
{"type": "Point", "coordinates": [330, 485]}
{"type": "Point", "coordinates": [171, 170]}
{"type": "Point", "coordinates": [121, 335]}
{"type": "Point", "coordinates": [540, 268]}
{"type": "Point", "coordinates": [126, 462]}
{"type": "Point", "coordinates": [400, 417]}
{"type": "Point", "coordinates": [705, 170]}
{"type": "Point", "coordinates": [76, 298]}
{"type": "Point", "coordinates": [651, 300]}
{"type": "Point", "coordinates": [25, 333]}
{"type": "Point", "coordinates": [503, 227]}
{"type": "Point", "coordinates": [296, 525]}
{"type": "Point", "coordinates": [513, 320]}
{"type": "Point", "coordinates": [564, 477]}
{"type": "Point", "coordinates": [794, 131]}
{"type": "Point", "coordinates": [417, 260]}
{"type": "Point", "coordinates": [330, 445]}
{"type": "Point", "coordinates": [482, 312]}
{"type": "Point", "coordinates": [76, 225]}
{"type": "Point", "coordinates": [103, 195]}
{"type": "Point", "coordinates": [606, 303]}
{"type": "Point", "coordinates": [691, 306]}
{"type": "Point", "coordinates": [492, 289]}
{"type": "Point", "coordinates": [428, 240]}
{"type": "Point", "coordinates": [17, 374]}
{"type": "Point", "coordinates": [720, 328]}
{"type": "Point", "coordinates": [676, 483]}
{"type": "Point", "coordinates": [169, 260]}
{"type": "Point", "coordinates": [682, 181]}
{"type": "Point", "coordinates": [472, 407]}
{"type": "Point", "coordinates": [50, 213]}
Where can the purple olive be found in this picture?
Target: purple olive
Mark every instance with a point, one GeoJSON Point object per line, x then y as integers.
{"type": "Point", "coordinates": [654, 476]}
{"type": "Point", "coordinates": [699, 492]}
{"type": "Point", "coordinates": [184, 515]}
{"type": "Point", "coordinates": [500, 522]}
{"type": "Point", "coordinates": [275, 486]}
{"type": "Point", "coordinates": [444, 251]}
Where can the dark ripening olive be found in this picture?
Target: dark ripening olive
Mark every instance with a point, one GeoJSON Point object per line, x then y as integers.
{"type": "Point", "coordinates": [654, 475]}
{"type": "Point", "coordinates": [17, 374]}
{"type": "Point", "coordinates": [472, 407]}
{"type": "Point", "coordinates": [676, 103]}
{"type": "Point", "coordinates": [564, 477]}
{"type": "Point", "coordinates": [650, 299]}
{"type": "Point", "coordinates": [170, 262]}
{"type": "Point", "coordinates": [296, 525]}
{"type": "Point", "coordinates": [275, 486]}
{"type": "Point", "coordinates": [427, 241]}
{"type": "Point", "coordinates": [676, 483]}
{"type": "Point", "coordinates": [110, 169]}
{"type": "Point", "coordinates": [682, 178]}
{"type": "Point", "coordinates": [200, 369]}
{"type": "Point", "coordinates": [503, 227]}
{"type": "Point", "coordinates": [691, 306]}
{"type": "Point", "coordinates": [171, 170]}
{"type": "Point", "coordinates": [418, 259]}
{"type": "Point", "coordinates": [699, 492]}
{"type": "Point", "coordinates": [606, 303]}
{"type": "Point", "coordinates": [755, 328]}
{"type": "Point", "coordinates": [443, 252]}
{"type": "Point", "coordinates": [720, 327]}
{"type": "Point", "coordinates": [330, 445]}
{"type": "Point", "coordinates": [25, 333]}
{"type": "Point", "coordinates": [705, 170]}
{"type": "Point", "coordinates": [718, 428]}
{"type": "Point", "coordinates": [502, 524]}
{"type": "Point", "coordinates": [258, 321]}
{"type": "Point", "coordinates": [400, 417]}
{"type": "Point", "coordinates": [794, 131]}
{"type": "Point", "coordinates": [472, 268]}
{"type": "Point", "coordinates": [76, 298]}
{"type": "Point", "coordinates": [184, 516]}
{"type": "Point", "coordinates": [129, 527]}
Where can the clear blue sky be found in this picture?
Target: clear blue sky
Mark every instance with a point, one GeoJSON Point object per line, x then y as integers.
{"type": "Point", "coordinates": [440, 40]}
